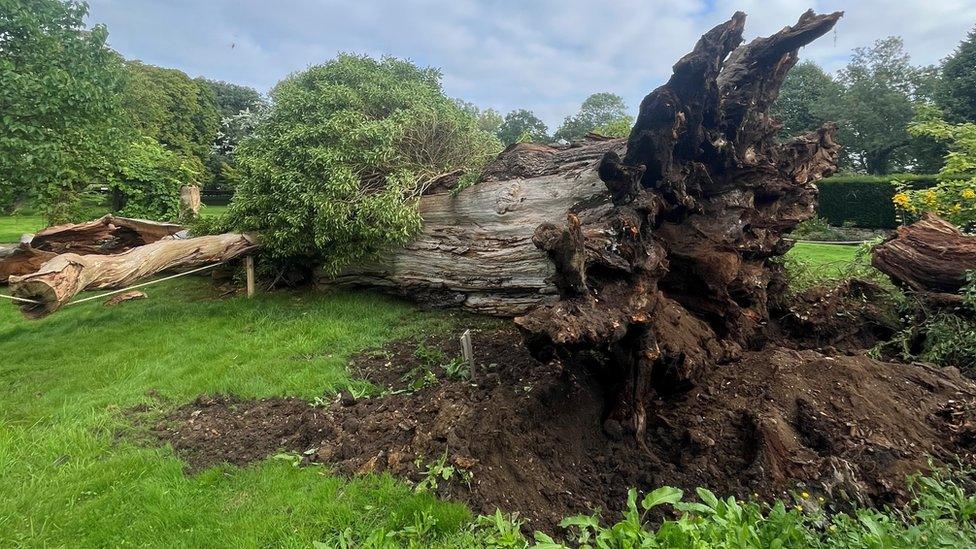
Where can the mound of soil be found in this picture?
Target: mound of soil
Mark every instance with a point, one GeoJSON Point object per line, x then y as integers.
{"type": "Point", "coordinates": [848, 428]}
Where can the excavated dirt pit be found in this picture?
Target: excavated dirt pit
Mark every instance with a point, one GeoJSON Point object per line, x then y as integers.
{"type": "Point", "coordinates": [848, 428]}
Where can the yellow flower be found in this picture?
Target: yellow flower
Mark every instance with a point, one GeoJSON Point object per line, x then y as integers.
{"type": "Point", "coordinates": [930, 197]}
{"type": "Point", "coordinates": [968, 194]}
{"type": "Point", "coordinates": [901, 199]}
{"type": "Point", "coordinates": [956, 208]}
{"type": "Point", "coordinates": [805, 495]}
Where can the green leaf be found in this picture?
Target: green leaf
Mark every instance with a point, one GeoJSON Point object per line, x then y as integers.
{"type": "Point", "coordinates": [664, 494]}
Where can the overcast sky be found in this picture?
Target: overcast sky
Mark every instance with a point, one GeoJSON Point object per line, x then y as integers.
{"type": "Point", "coordinates": [543, 55]}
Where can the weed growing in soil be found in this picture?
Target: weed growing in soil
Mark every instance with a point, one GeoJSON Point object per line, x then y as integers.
{"type": "Point", "coordinates": [439, 470]}
{"type": "Point", "coordinates": [941, 513]}
{"type": "Point", "coordinates": [946, 337]}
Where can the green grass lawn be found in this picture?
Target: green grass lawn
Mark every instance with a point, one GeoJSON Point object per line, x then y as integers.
{"type": "Point", "coordinates": [12, 227]}
{"type": "Point", "coordinates": [73, 472]}
{"type": "Point", "coordinates": [828, 259]}
{"type": "Point", "coordinates": [67, 477]}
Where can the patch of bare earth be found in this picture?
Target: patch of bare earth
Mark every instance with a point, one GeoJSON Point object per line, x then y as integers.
{"type": "Point", "coordinates": [846, 427]}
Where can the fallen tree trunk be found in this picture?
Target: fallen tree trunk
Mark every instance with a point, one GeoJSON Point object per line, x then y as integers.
{"type": "Point", "coordinates": [475, 250]}
{"type": "Point", "coordinates": [106, 235]}
{"type": "Point", "coordinates": [64, 276]}
{"type": "Point", "coordinates": [930, 255]}
{"type": "Point", "coordinates": [661, 250]}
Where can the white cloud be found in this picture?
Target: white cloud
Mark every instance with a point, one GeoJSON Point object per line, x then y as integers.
{"type": "Point", "coordinates": [546, 55]}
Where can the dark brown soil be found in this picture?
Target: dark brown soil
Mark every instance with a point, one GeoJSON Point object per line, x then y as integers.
{"type": "Point", "coordinates": [848, 428]}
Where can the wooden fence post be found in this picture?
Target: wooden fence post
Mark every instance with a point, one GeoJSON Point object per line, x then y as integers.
{"type": "Point", "coordinates": [249, 270]}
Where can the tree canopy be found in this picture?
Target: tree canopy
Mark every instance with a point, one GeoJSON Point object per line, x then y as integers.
{"type": "Point", "coordinates": [179, 113]}
{"type": "Point", "coordinates": [873, 99]}
{"type": "Point", "coordinates": [522, 125]}
{"type": "Point", "coordinates": [231, 99]}
{"type": "Point", "coordinates": [334, 172]}
{"type": "Point", "coordinates": [60, 114]}
{"type": "Point", "coordinates": [600, 110]}
{"type": "Point", "coordinates": [956, 93]}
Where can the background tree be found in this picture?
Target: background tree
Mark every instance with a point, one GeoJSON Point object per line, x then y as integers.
{"type": "Point", "coordinates": [805, 99]}
{"type": "Point", "coordinates": [60, 114]}
{"type": "Point", "coordinates": [234, 98]}
{"type": "Point", "coordinates": [489, 120]}
{"type": "Point", "coordinates": [180, 113]}
{"type": "Point", "coordinates": [334, 172]}
{"type": "Point", "coordinates": [240, 108]}
{"type": "Point", "coordinates": [523, 125]}
{"type": "Point", "coordinates": [881, 91]}
{"type": "Point", "coordinates": [956, 93]}
{"type": "Point", "coordinates": [605, 110]}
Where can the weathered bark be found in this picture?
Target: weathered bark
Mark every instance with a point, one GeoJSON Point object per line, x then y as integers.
{"type": "Point", "coordinates": [189, 202]}
{"type": "Point", "coordinates": [106, 235]}
{"type": "Point", "coordinates": [678, 268]}
{"type": "Point", "coordinates": [930, 255]}
{"type": "Point", "coordinates": [64, 276]}
{"type": "Point", "coordinates": [475, 250]}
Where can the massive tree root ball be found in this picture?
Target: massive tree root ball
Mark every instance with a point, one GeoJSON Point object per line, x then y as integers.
{"type": "Point", "coordinates": [671, 272]}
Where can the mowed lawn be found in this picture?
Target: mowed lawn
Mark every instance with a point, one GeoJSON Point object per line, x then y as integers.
{"type": "Point", "coordinates": [12, 227]}
{"type": "Point", "coordinates": [827, 260]}
{"type": "Point", "coordinates": [74, 474]}
{"type": "Point", "coordinates": [76, 471]}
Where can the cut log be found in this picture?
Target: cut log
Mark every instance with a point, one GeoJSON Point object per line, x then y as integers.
{"type": "Point", "coordinates": [64, 276]}
{"type": "Point", "coordinates": [930, 255]}
{"type": "Point", "coordinates": [106, 235]}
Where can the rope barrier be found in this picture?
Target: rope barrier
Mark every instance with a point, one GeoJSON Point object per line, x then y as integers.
{"type": "Point", "coordinates": [15, 298]}
{"type": "Point", "coordinates": [144, 284]}
{"type": "Point", "coordinates": [113, 292]}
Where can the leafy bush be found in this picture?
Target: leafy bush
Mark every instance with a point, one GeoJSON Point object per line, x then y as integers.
{"type": "Point", "coordinates": [954, 197]}
{"type": "Point", "coordinates": [335, 171]}
{"type": "Point", "coordinates": [149, 180]}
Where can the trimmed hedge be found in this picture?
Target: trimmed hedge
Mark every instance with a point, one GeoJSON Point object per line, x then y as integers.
{"type": "Point", "coordinates": [865, 200]}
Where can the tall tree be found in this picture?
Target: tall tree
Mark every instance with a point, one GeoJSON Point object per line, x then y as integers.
{"type": "Point", "coordinates": [956, 93]}
{"type": "Point", "coordinates": [598, 110]}
{"type": "Point", "coordinates": [881, 90]}
{"type": "Point", "coordinates": [231, 99]}
{"type": "Point", "coordinates": [179, 113]}
{"type": "Point", "coordinates": [805, 99]}
{"type": "Point", "coordinates": [60, 115]}
{"type": "Point", "coordinates": [489, 119]}
{"type": "Point", "coordinates": [522, 125]}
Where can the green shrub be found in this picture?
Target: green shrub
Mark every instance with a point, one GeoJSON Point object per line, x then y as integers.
{"type": "Point", "coordinates": [149, 181]}
{"type": "Point", "coordinates": [865, 200]}
{"type": "Point", "coordinates": [334, 173]}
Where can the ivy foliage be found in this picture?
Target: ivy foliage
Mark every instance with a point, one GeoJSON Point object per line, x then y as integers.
{"type": "Point", "coordinates": [335, 171]}
{"type": "Point", "coordinates": [60, 114]}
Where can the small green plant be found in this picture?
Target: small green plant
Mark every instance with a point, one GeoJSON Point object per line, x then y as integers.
{"type": "Point", "coordinates": [458, 369]}
{"type": "Point", "coordinates": [439, 470]}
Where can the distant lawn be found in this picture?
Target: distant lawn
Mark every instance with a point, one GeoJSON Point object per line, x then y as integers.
{"type": "Point", "coordinates": [829, 259]}
{"type": "Point", "coordinates": [12, 227]}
